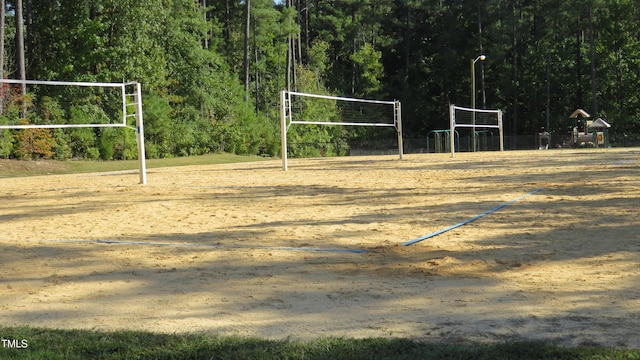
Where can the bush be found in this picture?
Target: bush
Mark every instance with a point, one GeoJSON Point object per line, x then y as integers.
{"type": "Point", "coordinates": [6, 143]}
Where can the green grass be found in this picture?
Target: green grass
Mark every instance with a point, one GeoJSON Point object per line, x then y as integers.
{"type": "Point", "coordinates": [84, 344]}
{"type": "Point", "coordinates": [19, 168]}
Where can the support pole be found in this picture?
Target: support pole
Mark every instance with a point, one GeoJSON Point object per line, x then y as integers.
{"type": "Point", "coordinates": [501, 134]}
{"type": "Point", "coordinates": [453, 128]}
{"type": "Point", "coordinates": [399, 129]}
{"type": "Point", "coordinates": [473, 102]}
{"type": "Point", "coordinates": [140, 135]}
{"type": "Point", "coordinates": [283, 128]}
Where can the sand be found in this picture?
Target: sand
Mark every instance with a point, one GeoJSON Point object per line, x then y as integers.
{"type": "Point", "coordinates": [317, 251]}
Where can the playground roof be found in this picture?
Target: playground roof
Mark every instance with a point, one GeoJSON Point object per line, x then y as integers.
{"type": "Point", "coordinates": [599, 123]}
{"type": "Point", "coordinates": [580, 112]}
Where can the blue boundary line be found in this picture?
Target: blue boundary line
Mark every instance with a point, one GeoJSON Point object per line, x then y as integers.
{"type": "Point", "coordinates": [118, 242]}
{"type": "Point", "coordinates": [411, 242]}
{"type": "Point", "coordinates": [622, 162]}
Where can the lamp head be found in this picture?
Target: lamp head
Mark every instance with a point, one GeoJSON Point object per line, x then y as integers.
{"type": "Point", "coordinates": [481, 57]}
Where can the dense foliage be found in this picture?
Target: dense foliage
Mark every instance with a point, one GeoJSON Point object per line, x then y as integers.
{"type": "Point", "coordinates": [211, 74]}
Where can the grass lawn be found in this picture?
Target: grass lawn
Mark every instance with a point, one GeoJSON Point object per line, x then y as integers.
{"type": "Point", "coordinates": [17, 168]}
{"type": "Point", "coordinates": [36, 343]}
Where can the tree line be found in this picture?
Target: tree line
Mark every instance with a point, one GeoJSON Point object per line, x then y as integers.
{"type": "Point", "coordinates": [211, 69]}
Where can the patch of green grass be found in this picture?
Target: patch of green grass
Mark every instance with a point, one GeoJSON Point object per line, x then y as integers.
{"type": "Point", "coordinates": [85, 344]}
{"type": "Point", "coordinates": [19, 168]}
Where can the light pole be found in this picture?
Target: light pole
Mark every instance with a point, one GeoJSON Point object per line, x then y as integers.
{"type": "Point", "coordinates": [473, 96]}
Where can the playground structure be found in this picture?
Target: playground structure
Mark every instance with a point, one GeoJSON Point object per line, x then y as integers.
{"type": "Point", "coordinates": [441, 140]}
{"type": "Point", "coordinates": [587, 132]}
{"type": "Point", "coordinates": [600, 130]}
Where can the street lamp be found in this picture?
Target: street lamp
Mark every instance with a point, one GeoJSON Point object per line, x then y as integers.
{"type": "Point", "coordinates": [473, 96]}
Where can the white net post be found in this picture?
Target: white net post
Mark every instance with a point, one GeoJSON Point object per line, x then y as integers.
{"type": "Point", "coordinates": [500, 131]}
{"type": "Point", "coordinates": [398, 121]}
{"type": "Point", "coordinates": [136, 100]}
{"type": "Point", "coordinates": [452, 125]}
{"type": "Point", "coordinates": [285, 115]}
{"type": "Point", "coordinates": [140, 134]}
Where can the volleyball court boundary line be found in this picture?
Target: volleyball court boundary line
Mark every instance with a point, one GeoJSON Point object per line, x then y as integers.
{"type": "Point", "coordinates": [422, 238]}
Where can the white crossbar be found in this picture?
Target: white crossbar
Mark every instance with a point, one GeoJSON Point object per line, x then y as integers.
{"type": "Point", "coordinates": [62, 83]}
{"type": "Point", "coordinates": [329, 97]}
{"type": "Point", "coordinates": [60, 126]}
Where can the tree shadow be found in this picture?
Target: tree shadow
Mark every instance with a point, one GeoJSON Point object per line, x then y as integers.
{"type": "Point", "coordinates": [559, 266]}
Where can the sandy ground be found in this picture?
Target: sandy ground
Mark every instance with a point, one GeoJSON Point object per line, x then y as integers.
{"type": "Point", "coordinates": [251, 250]}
